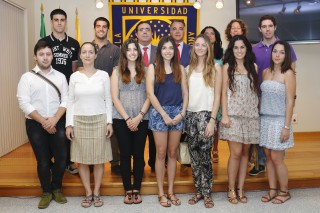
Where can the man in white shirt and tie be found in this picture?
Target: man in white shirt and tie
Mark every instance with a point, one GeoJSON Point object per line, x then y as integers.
{"type": "Point", "coordinates": [44, 105]}
{"type": "Point", "coordinates": [144, 34]}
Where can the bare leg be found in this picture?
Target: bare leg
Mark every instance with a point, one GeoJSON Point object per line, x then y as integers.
{"type": "Point", "coordinates": [235, 149]}
{"type": "Point", "coordinates": [272, 179]}
{"type": "Point", "coordinates": [161, 150]}
{"type": "Point", "coordinates": [282, 175]}
{"type": "Point", "coordinates": [173, 144]}
{"type": "Point", "coordinates": [98, 175]}
{"type": "Point", "coordinates": [84, 173]}
{"type": "Point", "coordinates": [243, 171]}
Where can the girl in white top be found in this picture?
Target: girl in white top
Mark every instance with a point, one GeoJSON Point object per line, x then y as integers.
{"type": "Point", "coordinates": [204, 81]}
{"type": "Point", "coordinates": [89, 119]}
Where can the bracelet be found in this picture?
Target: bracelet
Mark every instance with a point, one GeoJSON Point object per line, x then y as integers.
{"type": "Point", "coordinates": [286, 127]}
{"type": "Point", "coordinates": [128, 118]}
{"type": "Point", "coordinates": [181, 115]}
{"type": "Point", "coordinates": [213, 118]}
{"type": "Point", "coordinates": [142, 113]}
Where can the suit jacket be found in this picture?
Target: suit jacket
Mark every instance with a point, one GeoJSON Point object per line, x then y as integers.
{"type": "Point", "coordinates": [153, 54]}
{"type": "Point", "coordinates": [185, 55]}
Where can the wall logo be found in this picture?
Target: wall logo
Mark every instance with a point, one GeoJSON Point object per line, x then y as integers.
{"type": "Point", "coordinates": [126, 15]}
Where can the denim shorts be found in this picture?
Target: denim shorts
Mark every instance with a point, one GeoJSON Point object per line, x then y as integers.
{"type": "Point", "coordinates": [156, 122]}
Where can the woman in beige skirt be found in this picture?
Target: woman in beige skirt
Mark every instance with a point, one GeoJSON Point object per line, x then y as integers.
{"type": "Point", "coordinates": [89, 122]}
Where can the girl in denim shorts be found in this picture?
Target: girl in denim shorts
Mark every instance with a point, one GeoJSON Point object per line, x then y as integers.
{"type": "Point", "coordinates": [168, 94]}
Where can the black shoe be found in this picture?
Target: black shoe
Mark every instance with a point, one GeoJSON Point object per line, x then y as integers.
{"type": "Point", "coordinates": [255, 172]}
{"type": "Point", "coordinates": [115, 170]}
{"type": "Point", "coordinates": [153, 169]}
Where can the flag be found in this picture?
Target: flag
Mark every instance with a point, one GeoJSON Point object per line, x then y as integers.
{"type": "Point", "coordinates": [78, 36]}
{"type": "Point", "coordinates": [42, 27]}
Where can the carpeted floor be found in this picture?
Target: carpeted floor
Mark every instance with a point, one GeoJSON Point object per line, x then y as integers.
{"type": "Point", "coordinates": [303, 200]}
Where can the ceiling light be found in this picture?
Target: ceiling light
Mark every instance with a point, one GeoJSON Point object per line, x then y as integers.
{"type": "Point", "coordinates": [249, 3]}
{"type": "Point", "coordinates": [99, 4]}
{"type": "Point", "coordinates": [197, 4]}
{"type": "Point", "coordinates": [219, 4]}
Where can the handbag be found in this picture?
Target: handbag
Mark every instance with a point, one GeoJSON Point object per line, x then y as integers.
{"type": "Point", "coordinates": [48, 81]}
{"type": "Point", "coordinates": [183, 155]}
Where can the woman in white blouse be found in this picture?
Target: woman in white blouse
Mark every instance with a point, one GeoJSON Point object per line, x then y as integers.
{"type": "Point", "coordinates": [89, 122]}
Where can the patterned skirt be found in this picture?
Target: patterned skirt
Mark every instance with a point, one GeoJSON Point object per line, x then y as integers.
{"type": "Point", "coordinates": [242, 130]}
{"type": "Point", "coordinates": [90, 144]}
{"type": "Point", "coordinates": [270, 136]}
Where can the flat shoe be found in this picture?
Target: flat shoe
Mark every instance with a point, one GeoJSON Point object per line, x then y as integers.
{"type": "Point", "coordinates": [164, 203]}
{"type": "Point", "coordinates": [281, 198]}
{"type": "Point", "coordinates": [175, 201]}
{"type": "Point", "coordinates": [136, 196]}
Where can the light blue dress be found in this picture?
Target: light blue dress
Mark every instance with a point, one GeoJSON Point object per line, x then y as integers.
{"type": "Point", "coordinates": [273, 112]}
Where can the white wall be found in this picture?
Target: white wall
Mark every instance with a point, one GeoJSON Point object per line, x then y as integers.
{"type": "Point", "coordinates": [308, 88]}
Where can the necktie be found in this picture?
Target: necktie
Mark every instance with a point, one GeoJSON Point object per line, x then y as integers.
{"type": "Point", "coordinates": [178, 52]}
{"type": "Point", "coordinates": [145, 56]}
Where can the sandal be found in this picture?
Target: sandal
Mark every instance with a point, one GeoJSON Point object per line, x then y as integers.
{"type": "Point", "coordinates": [136, 197]}
{"type": "Point", "coordinates": [267, 198]}
{"type": "Point", "coordinates": [215, 157]}
{"type": "Point", "coordinates": [285, 196]}
{"type": "Point", "coordinates": [128, 197]}
{"type": "Point", "coordinates": [208, 202]}
{"type": "Point", "coordinates": [164, 203]}
{"type": "Point", "coordinates": [175, 201]}
{"type": "Point", "coordinates": [87, 201]}
{"type": "Point", "coordinates": [232, 199]}
{"type": "Point", "coordinates": [195, 199]}
{"type": "Point", "coordinates": [97, 201]}
{"type": "Point", "coordinates": [243, 198]}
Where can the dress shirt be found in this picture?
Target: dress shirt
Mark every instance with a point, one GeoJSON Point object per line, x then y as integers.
{"type": "Point", "coordinates": [34, 93]}
{"type": "Point", "coordinates": [148, 50]}
{"type": "Point", "coordinates": [89, 96]}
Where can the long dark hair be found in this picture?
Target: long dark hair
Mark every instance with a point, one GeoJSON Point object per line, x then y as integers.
{"type": "Point", "coordinates": [217, 46]}
{"type": "Point", "coordinates": [287, 63]}
{"type": "Point", "coordinates": [123, 63]}
{"type": "Point", "coordinates": [160, 71]}
{"type": "Point", "coordinates": [248, 62]}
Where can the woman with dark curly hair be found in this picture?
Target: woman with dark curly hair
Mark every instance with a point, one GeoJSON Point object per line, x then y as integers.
{"type": "Point", "coordinates": [240, 116]}
{"type": "Point", "coordinates": [236, 27]}
{"type": "Point", "coordinates": [130, 116]}
{"type": "Point", "coordinates": [215, 40]}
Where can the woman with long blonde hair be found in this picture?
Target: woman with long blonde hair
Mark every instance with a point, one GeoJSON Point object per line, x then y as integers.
{"type": "Point", "coordinates": [204, 81]}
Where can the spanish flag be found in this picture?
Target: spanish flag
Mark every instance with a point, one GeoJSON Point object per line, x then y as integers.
{"type": "Point", "coordinates": [78, 35]}
{"type": "Point", "coordinates": [42, 27]}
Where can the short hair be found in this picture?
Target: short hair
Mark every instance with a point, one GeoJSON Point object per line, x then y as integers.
{"type": "Point", "coordinates": [287, 63]}
{"type": "Point", "coordinates": [101, 19]}
{"type": "Point", "coordinates": [41, 44]}
{"type": "Point", "coordinates": [92, 44]}
{"type": "Point", "coordinates": [58, 12]}
{"type": "Point", "coordinates": [267, 17]}
{"type": "Point", "coordinates": [143, 22]}
{"type": "Point", "coordinates": [177, 20]}
{"type": "Point", "coordinates": [243, 26]}
{"type": "Point", "coordinates": [217, 46]}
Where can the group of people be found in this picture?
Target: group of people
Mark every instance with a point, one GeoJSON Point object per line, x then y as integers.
{"type": "Point", "coordinates": [114, 98]}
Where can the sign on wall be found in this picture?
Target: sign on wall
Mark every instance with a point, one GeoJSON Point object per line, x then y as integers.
{"type": "Point", "coordinates": [126, 15]}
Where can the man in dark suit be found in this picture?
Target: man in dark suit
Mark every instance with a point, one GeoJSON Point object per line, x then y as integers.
{"type": "Point", "coordinates": [177, 30]}
{"type": "Point", "coordinates": [144, 36]}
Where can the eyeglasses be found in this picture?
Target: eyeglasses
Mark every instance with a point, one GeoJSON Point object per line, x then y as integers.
{"type": "Point", "coordinates": [145, 29]}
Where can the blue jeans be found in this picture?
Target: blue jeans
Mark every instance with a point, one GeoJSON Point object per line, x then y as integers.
{"type": "Point", "coordinates": [45, 146]}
